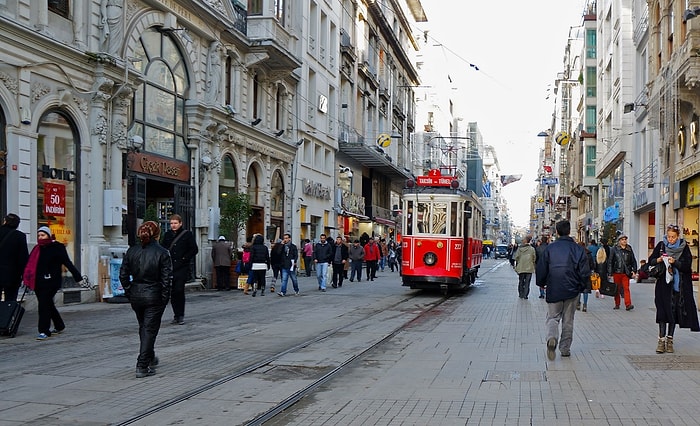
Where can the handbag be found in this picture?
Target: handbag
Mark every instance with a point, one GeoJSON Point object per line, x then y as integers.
{"type": "Point", "coordinates": [657, 270]}
{"type": "Point", "coordinates": [608, 288]}
{"type": "Point", "coordinates": [595, 281]}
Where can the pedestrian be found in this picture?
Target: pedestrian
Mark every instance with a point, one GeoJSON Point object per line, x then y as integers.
{"type": "Point", "coordinates": [622, 266]}
{"type": "Point", "coordinates": [601, 267]}
{"type": "Point", "coordinates": [221, 255]}
{"type": "Point", "coordinates": [384, 254]}
{"type": "Point", "coordinates": [372, 255]}
{"type": "Point", "coordinates": [356, 254]}
{"type": "Point", "coordinates": [260, 263]}
{"type": "Point", "coordinates": [13, 257]}
{"type": "Point", "coordinates": [323, 256]}
{"type": "Point", "coordinates": [587, 288]}
{"type": "Point", "coordinates": [308, 256]}
{"type": "Point", "coordinates": [563, 269]}
{"type": "Point", "coordinates": [245, 268]}
{"type": "Point", "coordinates": [276, 252]}
{"type": "Point", "coordinates": [290, 253]}
{"type": "Point", "coordinates": [146, 274]}
{"type": "Point", "coordinates": [539, 252]}
{"type": "Point", "coordinates": [43, 274]}
{"type": "Point", "coordinates": [340, 258]}
{"type": "Point", "coordinates": [673, 292]}
{"type": "Point", "coordinates": [525, 258]}
{"type": "Point", "coordinates": [182, 246]}
{"type": "Point", "coordinates": [346, 266]}
{"type": "Point", "coordinates": [512, 248]}
{"type": "Point", "coordinates": [593, 247]}
{"type": "Point", "coordinates": [393, 256]}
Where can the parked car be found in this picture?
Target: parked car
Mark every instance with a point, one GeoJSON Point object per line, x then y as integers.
{"type": "Point", "coordinates": [501, 252]}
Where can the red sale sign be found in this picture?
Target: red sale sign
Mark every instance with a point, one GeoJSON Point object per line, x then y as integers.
{"type": "Point", "coordinates": [54, 199]}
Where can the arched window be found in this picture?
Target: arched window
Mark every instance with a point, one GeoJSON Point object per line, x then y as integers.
{"type": "Point", "coordinates": [57, 180]}
{"type": "Point", "coordinates": [253, 187]}
{"type": "Point", "coordinates": [277, 195]}
{"type": "Point", "coordinates": [228, 180]}
{"type": "Point", "coordinates": [159, 104]}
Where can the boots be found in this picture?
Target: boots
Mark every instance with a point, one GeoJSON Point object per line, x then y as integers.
{"type": "Point", "coordinates": [247, 286]}
{"type": "Point", "coordinates": [661, 346]}
{"type": "Point", "coordinates": [255, 289]}
{"type": "Point", "coordinates": [585, 307]}
{"type": "Point", "coordinates": [669, 344]}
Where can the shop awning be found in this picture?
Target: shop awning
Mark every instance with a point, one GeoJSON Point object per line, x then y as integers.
{"type": "Point", "coordinates": [351, 214]}
{"type": "Point", "coordinates": [382, 221]}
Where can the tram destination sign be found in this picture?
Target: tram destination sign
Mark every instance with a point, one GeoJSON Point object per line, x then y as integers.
{"type": "Point", "coordinates": [434, 180]}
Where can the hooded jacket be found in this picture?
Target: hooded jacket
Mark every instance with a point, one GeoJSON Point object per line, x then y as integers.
{"type": "Point", "coordinates": [563, 269]}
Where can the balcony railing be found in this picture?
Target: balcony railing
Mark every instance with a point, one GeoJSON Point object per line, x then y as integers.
{"type": "Point", "coordinates": [240, 19]}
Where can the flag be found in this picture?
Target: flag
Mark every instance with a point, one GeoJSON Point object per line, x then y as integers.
{"type": "Point", "coordinates": [506, 179]}
{"type": "Point", "coordinates": [547, 169]}
{"type": "Point", "coordinates": [486, 189]}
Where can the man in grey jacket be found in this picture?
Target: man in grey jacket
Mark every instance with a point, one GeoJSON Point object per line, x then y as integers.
{"type": "Point", "coordinates": [357, 256]}
{"type": "Point", "coordinates": [563, 270]}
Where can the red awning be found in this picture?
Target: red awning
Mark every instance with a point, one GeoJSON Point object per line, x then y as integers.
{"type": "Point", "coordinates": [383, 221]}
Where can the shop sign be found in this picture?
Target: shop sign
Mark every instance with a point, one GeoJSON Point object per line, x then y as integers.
{"type": "Point", "coordinates": [687, 171]}
{"type": "Point", "coordinates": [317, 190]}
{"type": "Point", "coordinates": [550, 181]}
{"type": "Point", "coordinates": [154, 165]}
{"type": "Point", "coordinates": [54, 199]}
{"type": "Point", "coordinates": [352, 203]}
{"type": "Point", "coordinates": [434, 180]}
{"type": "Point", "coordinates": [693, 193]}
{"type": "Point", "coordinates": [640, 200]}
{"type": "Point", "coordinates": [57, 174]}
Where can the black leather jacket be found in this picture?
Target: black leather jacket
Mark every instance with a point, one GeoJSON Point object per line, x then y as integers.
{"type": "Point", "coordinates": [147, 274]}
{"type": "Point", "coordinates": [622, 261]}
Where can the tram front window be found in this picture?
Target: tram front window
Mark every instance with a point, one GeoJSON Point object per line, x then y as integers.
{"type": "Point", "coordinates": [432, 218]}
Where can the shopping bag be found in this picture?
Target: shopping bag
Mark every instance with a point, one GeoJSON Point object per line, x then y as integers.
{"type": "Point", "coordinates": [595, 281]}
{"type": "Point", "coordinates": [608, 288]}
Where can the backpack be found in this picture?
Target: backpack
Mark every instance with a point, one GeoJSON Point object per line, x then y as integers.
{"type": "Point", "coordinates": [246, 257]}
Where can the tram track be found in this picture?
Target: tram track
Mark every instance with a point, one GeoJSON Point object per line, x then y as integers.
{"type": "Point", "coordinates": [406, 304]}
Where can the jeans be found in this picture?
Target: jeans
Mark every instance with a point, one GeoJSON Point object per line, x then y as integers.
{"type": "Point", "coordinates": [561, 311]}
{"type": "Point", "coordinates": [286, 274]}
{"type": "Point", "coordinates": [356, 269]}
{"type": "Point", "coordinates": [149, 317]}
{"type": "Point", "coordinates": [524, 279]}
{"type": "Point", "coordinates": [321, 272]}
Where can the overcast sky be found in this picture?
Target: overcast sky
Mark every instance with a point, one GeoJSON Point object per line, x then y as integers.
{"type": "Point", "coordinates": [519, 49]}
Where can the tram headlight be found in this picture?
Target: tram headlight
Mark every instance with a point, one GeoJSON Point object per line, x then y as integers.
{"type": "Point", "coordinates": [430, 258]}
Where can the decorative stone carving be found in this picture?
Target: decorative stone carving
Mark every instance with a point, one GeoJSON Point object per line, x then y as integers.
{"type": "Point", "coordinates": [9, 82]}
{"type": "Point", "coordinates": [39, 91]}
{"type": "Point", "coordinates": [100, 128]}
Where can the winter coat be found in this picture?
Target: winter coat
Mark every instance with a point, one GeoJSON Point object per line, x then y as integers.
{"type": "Point", "coordinates": [49, 272]}
{"type": "Point", "coordinates": [372, 251]}
{"type": "Point", "coordinates": [356, 253]}
{"type": "Point", "coordinates": [290, 253]}
{"type": "Point", "coordinates": [343, 252]}
{"type": "Point", "coordinates": [183, 251]}
{"type": "Point", "coordinates": [323, 253]}
{"type": "Point", "coordinates": [622, 261]}
{"type": "Point", "coordinates": [13, 255]}
{"type": "Point", "coordinates": [146, 274]}
{"type": "Point", "coordinates": [563, 269]}
{"type": "Point", "coordinates": [685, 313]}
{"type": "Point", "coordinates": [525, 259]}
{"type": "Point", "coordinates": [221, 253]}
{"type": "Point", "coordinates": [259, 253]}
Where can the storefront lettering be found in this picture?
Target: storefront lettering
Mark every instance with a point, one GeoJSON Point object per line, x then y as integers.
{"type": "Point", "coordinates": [58, 174]}
{"type": "Point", "coordinates": [640, 199]}
{"type": "Point", "coordinates": [688, 171]}
{"type": "Point", "coordinates": [316, 190]}
{"type": "Point", "coordinates": [158, 166]}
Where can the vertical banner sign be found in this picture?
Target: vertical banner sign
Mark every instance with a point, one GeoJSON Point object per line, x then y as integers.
{"type": "Point", "coordinates": [54, 199]}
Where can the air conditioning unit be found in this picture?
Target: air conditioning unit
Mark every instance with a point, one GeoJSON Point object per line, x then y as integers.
{"type": "Point", "coordinates": [344, 137]}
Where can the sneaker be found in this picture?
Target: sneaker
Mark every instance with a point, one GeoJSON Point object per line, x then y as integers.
{"type": "Point", "coordinates": [56, 331]}
{"type": "Point", "coordinates": [323, 290]}
{"type": "Point", "coordinates": [629, 308]}
{"type": "Point", "coordinates": [296, 293]}
{"type": "Point", "coordinates": [42, 336]}
{"type": "Point", "coordinates": [566, 354]}
{"type": "Point", "coordinates": [144, 372]}
{"type": "Point", "coordinates": [334, 286]}
{"type": "Point", "coordinates": [175, 321]}
{"type": "Point", "coordinates": [617, 307]}
{"type": "Point", "coordinates": [280, 294]}
{"type": "Point", "coordinates": [154, 362]}
{"type": "Point", "coordinates": [551, 347]}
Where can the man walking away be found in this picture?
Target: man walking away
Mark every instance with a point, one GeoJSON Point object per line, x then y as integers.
{"type": "Point", "coordinates": [563, 269]}
{"type": "Point", "coordinates": [183, 248]}
{"type": "Point", "coordinates": [221, 257]}
{"type": "Point", "coordinates": [524, 266]}
{"type": "Point", "coordinates": [13, 256]}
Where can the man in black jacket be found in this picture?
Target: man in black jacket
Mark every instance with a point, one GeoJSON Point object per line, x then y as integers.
{"type": "Point", "coordinates": [323, 256]}
{"type": "Point", "coordinates": [183, 248]}
{"type": "Point", "coordinates": [340, 257]}
{"type": "Point", "coordinates": [563, 269]}
{"type": "Point", "coordinates": [290, 254]}
{"type": "Point", "coordinates": [13, 256]}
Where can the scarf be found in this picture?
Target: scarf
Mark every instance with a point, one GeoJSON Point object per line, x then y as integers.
{"type": "Point", "coordinates": [674, 250]}
{"type": "Point", "coordinates": [29, 276]}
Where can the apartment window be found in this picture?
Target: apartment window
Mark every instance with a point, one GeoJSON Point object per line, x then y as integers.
{"type": "Point", "coordinates": [669, 21]}
{"type": "Point", "coordinates": [590, 44]}
{"type": "Point", "coordinates": [279, 11]}
{"type": "Point", "coordinates": [591, 82]}
{"type": "Point", "coordinates": [591, 118]}
{"type": "Point", "coordinates": [59, 7]}
{"type": "Point", "coordinates": [590, 161]}
{"type": "Point", "coordinates": [255, 7]}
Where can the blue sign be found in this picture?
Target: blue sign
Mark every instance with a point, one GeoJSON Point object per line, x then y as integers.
{"type": "Point", "coordinates": [540, 210]}
{"type": "Point", "coordinates": [550, 181]}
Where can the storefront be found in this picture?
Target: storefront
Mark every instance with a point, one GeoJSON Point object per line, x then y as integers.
{"type": "Point", "coordinates": [689, 216]}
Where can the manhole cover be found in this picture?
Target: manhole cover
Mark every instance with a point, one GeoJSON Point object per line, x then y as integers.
{"type": "Point", "coordinates": [514, 376]}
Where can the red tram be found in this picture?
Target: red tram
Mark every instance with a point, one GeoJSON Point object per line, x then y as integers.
{"type": "Point", "coordinates": [441, 245]}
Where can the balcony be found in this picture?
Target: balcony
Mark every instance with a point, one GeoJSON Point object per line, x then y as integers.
{"type": "Point", "coordinates": [269, 38]}
{"type": "Point", "coordinates": [366, 152]}
{"type": "Point", "coordinates": [346, 47]}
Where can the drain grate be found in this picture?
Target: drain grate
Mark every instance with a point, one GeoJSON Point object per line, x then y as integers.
{"type": "Point", "coordinates": [515, 376]}
{"type": "Point", "coordinates": [665, 362]}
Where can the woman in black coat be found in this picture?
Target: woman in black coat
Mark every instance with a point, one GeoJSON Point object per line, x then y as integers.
{"type": "Point", "coordinates": [44, 274]}
{"type": "Point", "coordinates": [260, 263]}
{"type": "Point", "coordinates": [674, 300]}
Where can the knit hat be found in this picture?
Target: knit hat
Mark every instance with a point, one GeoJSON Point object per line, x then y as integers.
{"type": "Point", "coordinates": [621, 237]}
{"type": "Point", "coordinates": [148, 231]}
{"type": "Point", "coordinates": [222, 238]}
{"type": "Point", "coordinates": [45, 229]}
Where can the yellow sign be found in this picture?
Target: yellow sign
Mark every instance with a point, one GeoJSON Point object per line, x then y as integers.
{"type": "Point", "coordinates": [693, 193]}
